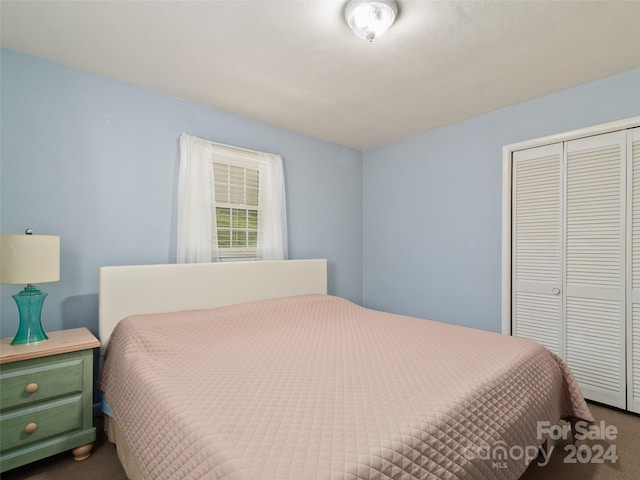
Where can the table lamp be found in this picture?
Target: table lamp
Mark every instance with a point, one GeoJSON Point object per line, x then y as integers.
{"type": "Point", "coordinates": [28, 259]}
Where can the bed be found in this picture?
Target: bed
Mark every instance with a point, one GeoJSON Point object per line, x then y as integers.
{"type": "Point", "coordinates": [251, 371]}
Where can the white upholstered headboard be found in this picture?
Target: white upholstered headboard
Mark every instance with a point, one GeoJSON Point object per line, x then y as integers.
{"type": "Point", "coordinates": [139, 289]}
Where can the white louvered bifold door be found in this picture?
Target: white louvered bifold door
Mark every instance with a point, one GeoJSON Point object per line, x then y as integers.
{"type": "Point", "coordinates": [633, 277]}
{"type": "Point", "coordinates": [594, 260]}
{"type": "Point", "coordinates": [536, 245]}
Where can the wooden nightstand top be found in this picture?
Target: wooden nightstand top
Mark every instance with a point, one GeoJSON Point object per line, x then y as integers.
{"type": "Point", "coordinates": [61, 341]}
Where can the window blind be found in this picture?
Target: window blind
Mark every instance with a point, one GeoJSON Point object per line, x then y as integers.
{"type": "Point", "coordinates": [236, 186]}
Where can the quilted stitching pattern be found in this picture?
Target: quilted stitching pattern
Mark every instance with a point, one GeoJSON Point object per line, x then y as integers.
{"type": "Point", "coordinates": [316, 387]}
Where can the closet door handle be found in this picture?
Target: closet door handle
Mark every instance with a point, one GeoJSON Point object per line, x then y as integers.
{"type": "Point", "coordinates": [556, 291]}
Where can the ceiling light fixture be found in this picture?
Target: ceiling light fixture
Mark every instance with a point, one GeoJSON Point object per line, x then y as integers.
{"type": "Point", "coordinates": [370, 19]}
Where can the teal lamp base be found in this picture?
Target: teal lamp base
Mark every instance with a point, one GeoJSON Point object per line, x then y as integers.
{"type": "Point", "coordinates": [29, 302]}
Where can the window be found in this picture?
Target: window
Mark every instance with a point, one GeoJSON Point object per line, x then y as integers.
{"type": "Point", "coordinates": [231, 203]}
{"type": "Point", "coordinates": [236, 209]}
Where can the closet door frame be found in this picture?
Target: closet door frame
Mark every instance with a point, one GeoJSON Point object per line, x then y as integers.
{"type": "Point", "coordinates": [507, 170]}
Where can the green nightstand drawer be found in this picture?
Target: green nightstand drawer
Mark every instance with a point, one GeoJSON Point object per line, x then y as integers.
{"type": "Point", "coordinates": [43, 379]}
{"type": "Point", "coordinates": [25, 426]}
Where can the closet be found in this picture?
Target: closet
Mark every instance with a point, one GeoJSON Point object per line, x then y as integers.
{"type": "Point", "coordinates": [574, 256]}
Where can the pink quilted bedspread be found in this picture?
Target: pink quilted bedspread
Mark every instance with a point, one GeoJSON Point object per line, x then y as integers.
{"type": "Point", "coordinates": [316, 387]}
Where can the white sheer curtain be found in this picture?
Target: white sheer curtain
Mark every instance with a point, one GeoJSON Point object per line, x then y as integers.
{"type": "Point", "coordinates": [197, 229]}
{"type": "Point", "coordinates": [197, 239]}
{"type": "Point", "coordinates": [272, 212]}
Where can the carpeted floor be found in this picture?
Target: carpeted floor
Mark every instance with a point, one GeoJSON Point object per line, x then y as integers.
{"type": "Point", "coordinates": [626, 446]}
{"type": "Point", "coordinates": [104, 465]}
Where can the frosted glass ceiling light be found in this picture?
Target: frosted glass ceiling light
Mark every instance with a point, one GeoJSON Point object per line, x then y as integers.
{"type": "Point", "coordinates": [370, 19]}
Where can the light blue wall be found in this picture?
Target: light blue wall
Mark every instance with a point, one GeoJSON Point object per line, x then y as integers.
{"type": "Point", "coordinates": [95, 161]}
{"type": "Point", "coordinates": [432, 203]}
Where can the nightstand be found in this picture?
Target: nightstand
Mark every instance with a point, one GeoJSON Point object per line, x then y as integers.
{"type": "Point", "coordinates": [46, 397]}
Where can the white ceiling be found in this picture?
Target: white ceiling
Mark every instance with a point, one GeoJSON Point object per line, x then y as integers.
{"type": "Point", "coordinates": [297, 65]}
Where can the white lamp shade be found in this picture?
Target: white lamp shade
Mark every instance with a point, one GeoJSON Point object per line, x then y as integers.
{"type": "Point", "coordinates": [28, 259]}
